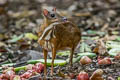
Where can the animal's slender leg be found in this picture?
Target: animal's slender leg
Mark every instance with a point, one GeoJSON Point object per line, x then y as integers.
{"type": "Point", "coordinates": [53, 57]}
{"type": "Point", "coordinates": [71, 56]}
{"type": "Point", "coordinates": [45, 58]}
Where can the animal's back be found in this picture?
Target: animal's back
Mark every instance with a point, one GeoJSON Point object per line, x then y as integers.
{"type": "Point", "coordinates": [67, 35]}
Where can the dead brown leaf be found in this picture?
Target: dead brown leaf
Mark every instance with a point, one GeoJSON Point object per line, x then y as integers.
{"type": "Point", "coordinates": [105, 26]}
{"type": "Point", "coordinates": [100, 48]}
{"type": "Point", "coordinates": [61, 74]}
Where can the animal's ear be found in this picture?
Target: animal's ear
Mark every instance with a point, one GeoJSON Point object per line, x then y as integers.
{"type": "Point", "coordinates": [54, 9]}
{"type": "Point", "coordinates": [45, 12]}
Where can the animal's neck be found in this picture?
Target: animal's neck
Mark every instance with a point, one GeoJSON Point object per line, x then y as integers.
{"type": "Point", "coordinates": [46, 22]}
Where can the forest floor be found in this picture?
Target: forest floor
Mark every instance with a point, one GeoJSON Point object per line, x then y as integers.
{"type": "Point", "coordinates": [99, 20]}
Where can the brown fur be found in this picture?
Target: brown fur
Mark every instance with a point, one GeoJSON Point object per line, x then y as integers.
{"type": "Point", "coordinates": [67, 35]}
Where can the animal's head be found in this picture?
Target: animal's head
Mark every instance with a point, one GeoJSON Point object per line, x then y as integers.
{"type": "Point", "coordinates": [52, 16]}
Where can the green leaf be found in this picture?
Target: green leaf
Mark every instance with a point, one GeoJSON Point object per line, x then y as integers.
{"type": "Point", "coordinates": [118, 78]}
{"type": "Point", "coordinates": [86, 37]}
{"type": "Point", "coordinates": [90, 38]}
{"type": "Point", "coordinates": [85, 48]}
{"type": "Point", "coordinates": [16, 69]}
{"type": "Point", "coordinates": [112, 44]}
{"type": "Point", "coordinates": [16, 38]}
{"type": "Point", "coordinates": [33, 61]}
{"type": "Point", "coordinates": [20, 68]}
{"type": "Point", "coordinates": [82, 47]}
{"type": "Point", "coordinates": [63, 53]}
{"type": "Point", "coordinates": [113, 52]}
{"type": "Point", "coordinates": [115, 32]}
{"type": "Point", "coordinates": [9, 64]}
{"type": "Point", "coordinates": [92, 32]}
{"type": "Point", "coordinates": [31, 36]}
{"type": "Point", "coordinates": [49, 61]}
{"type": "Point", "coordinates": [74, 59]}
{"type": "Point", "coordinates": [118, 38]}
{"type": "Point", "coordinates": [91, 55]}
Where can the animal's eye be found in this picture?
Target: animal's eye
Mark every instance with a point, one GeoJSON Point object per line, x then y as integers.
{"type": "Point", "coordinates": [52, 15]}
